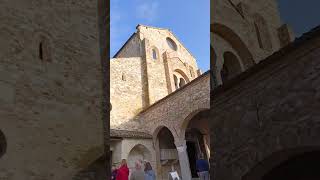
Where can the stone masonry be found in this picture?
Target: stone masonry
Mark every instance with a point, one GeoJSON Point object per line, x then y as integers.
{"type": "Point", "coordinates": [51, 88]}
{"type": "Point", "coordinates": [272, 107]}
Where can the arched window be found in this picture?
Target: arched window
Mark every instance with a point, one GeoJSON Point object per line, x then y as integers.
{"type": "Point", "coordinates": [171, 44]}
{"type": "Point", "coordinates": [262, 32]}
{"type": "Point", "coordinates": [182, 82]}
{"type": "Point", "coordinates": [180, 78]}
{"type": "Point", "coordinates": [258, 35]}
{"type": "Point", "coordinates": [154, 54]}
{"type": "Point", "coordinates": [231, 66]}
{"type": "Point", "coordinates": [44, 49]}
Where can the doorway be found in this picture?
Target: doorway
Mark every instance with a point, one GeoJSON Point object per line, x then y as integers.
{"type": "Point", "coordinates": [192, 154]}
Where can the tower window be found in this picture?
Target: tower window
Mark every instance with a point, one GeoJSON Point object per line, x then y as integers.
{"type": "Point", "coordinates": [123, 77]}
{"type": "Point", "coordinates": [44, 49]}
{"type": "Point", "coordinates": [41, 51]}
{"type": "Point", "coordinates": [154, 54]}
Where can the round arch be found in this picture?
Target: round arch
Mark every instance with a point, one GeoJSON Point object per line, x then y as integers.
{"type": "Point", "coordinates": [186, 121]}
{"type": "Point", "coordinates": [235, 41]}
{"type": "Point", "coordinates": [276, 159]}
{"type": "Point", "coordinates": [183, 74]}
{"type": "Point", "coordinates": [138, 152]}
{"type": "Point", "coordinates": [157, 130]}
{"type": "Point", "coordinates": [231, 66]}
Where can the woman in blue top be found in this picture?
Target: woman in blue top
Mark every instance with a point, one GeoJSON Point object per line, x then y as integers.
{"type": "Point", "coordinates": [148, 172]}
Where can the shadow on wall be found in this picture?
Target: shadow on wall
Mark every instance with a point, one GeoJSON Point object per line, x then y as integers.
{"type": "Point", "coordinates": [95, 171]}
{"type": "Point", "coordinates": [293, 164]}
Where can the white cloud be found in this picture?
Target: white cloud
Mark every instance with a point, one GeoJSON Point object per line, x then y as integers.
{"type": "Point", "coordinates": [147, 9]}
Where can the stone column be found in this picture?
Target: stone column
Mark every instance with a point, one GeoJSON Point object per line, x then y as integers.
{"type": "Point", "coordinates": [184, 160]}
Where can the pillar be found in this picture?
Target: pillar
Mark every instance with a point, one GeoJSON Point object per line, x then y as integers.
{"type": "Point", "coordinates": [184, 160]}
{"type": "Point", "coordinates": [158, 159]}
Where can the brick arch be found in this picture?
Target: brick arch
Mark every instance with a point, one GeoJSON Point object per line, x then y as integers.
{"type": "Point", "coordinates": [277, 159]}
{"type": "Point", "coordinates": [142, 148]}
{"type": "Point", "coordinates": [156, 131]}
{"type": "Point", "coordinates": [185, 122]}
{"type": "Point", "coordinates": [235, 41]}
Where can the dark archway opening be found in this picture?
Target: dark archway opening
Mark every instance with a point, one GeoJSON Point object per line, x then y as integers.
{"type": "Point", "coordinates": [167, 154]}
{"type": "Point", "coordinates": [197, 140]}
{"type": "Point", "coordinates": [192, 151]}
{"type": "Point", "coordinates": [301, 167]}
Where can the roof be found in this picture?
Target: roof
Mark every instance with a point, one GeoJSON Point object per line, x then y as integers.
{"type": "Point", "coordinates": [115, 133]}
{"type": "Point", "coordinates": [153, 28]}
{"type": "Point", "coordinates": [298, 42]}
{"type": "Point", "coordinates": [124, 45]}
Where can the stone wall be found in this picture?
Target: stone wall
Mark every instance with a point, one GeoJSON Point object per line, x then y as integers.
{"type": "Point", "coordinates": [126, 92]}
{"type": "Point", "coordinates": [137, 82]}
{"type": "Point", "coordinates": [50, 106]}
{"type": "Point", "coordinates": [272, 107]}
{"type": "Point", "coordinates": [239, 18]}
{"type": "Point", "coordinates": [174, 110]}
{"type": "Point", "coordinates": [157, 38]}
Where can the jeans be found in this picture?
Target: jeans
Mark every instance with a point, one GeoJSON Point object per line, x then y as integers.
{"type": "Point", "coordinates": [204, 175]}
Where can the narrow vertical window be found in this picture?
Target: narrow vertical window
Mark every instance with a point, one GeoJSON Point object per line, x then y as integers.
{"type": "Point", "coordinates": [191, 71]}
{"type": "Point", "coordinates": [154, 54]}
{"type": "Point", "coordinates": [258, 35]}
{"type": "Point", "coordinates": [123, 77]}
{"type": "Point", "coordinates": [175, 81]}
{"type": "Point", "coordinates": [41, 51]}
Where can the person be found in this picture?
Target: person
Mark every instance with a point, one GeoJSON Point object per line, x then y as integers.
{"type": "Point", "coordinates": [138, 174]}
{"type": "Point", "coordinates": [123, 171]}
{"type": "Point", "coordinates": [113, 173]}
{"type": "Point", "coordinates": [149, 174]}
{"type": "Point", "coordinates": [202, 166]}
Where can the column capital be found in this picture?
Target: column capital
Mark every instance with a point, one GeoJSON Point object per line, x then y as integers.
{"type": "Point", "coordinates": [181, 143]}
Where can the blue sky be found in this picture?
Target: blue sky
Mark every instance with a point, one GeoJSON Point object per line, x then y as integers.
{"type": "Point", "coordinates": [301, 15]}
{"type": "Point", "coordinates": [189, 20]}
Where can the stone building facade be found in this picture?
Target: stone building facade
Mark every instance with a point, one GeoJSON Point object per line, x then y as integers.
{"type": "Point", "coordinates": [265, 122]}
{"type": "Point", "coordinates": [250, 50]}
{"type": "Point", "coordinates": [264, 95]}
{"type": "Point", "coordinates": [242, 34]}
{"type": "Point", "coordinates": [51, 89]}
{"type": "Point", "coordinates": [153, 69]}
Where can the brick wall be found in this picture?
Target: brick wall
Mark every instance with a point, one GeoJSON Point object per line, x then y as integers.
{"type": "Point", "coordinates": [273, 109]}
